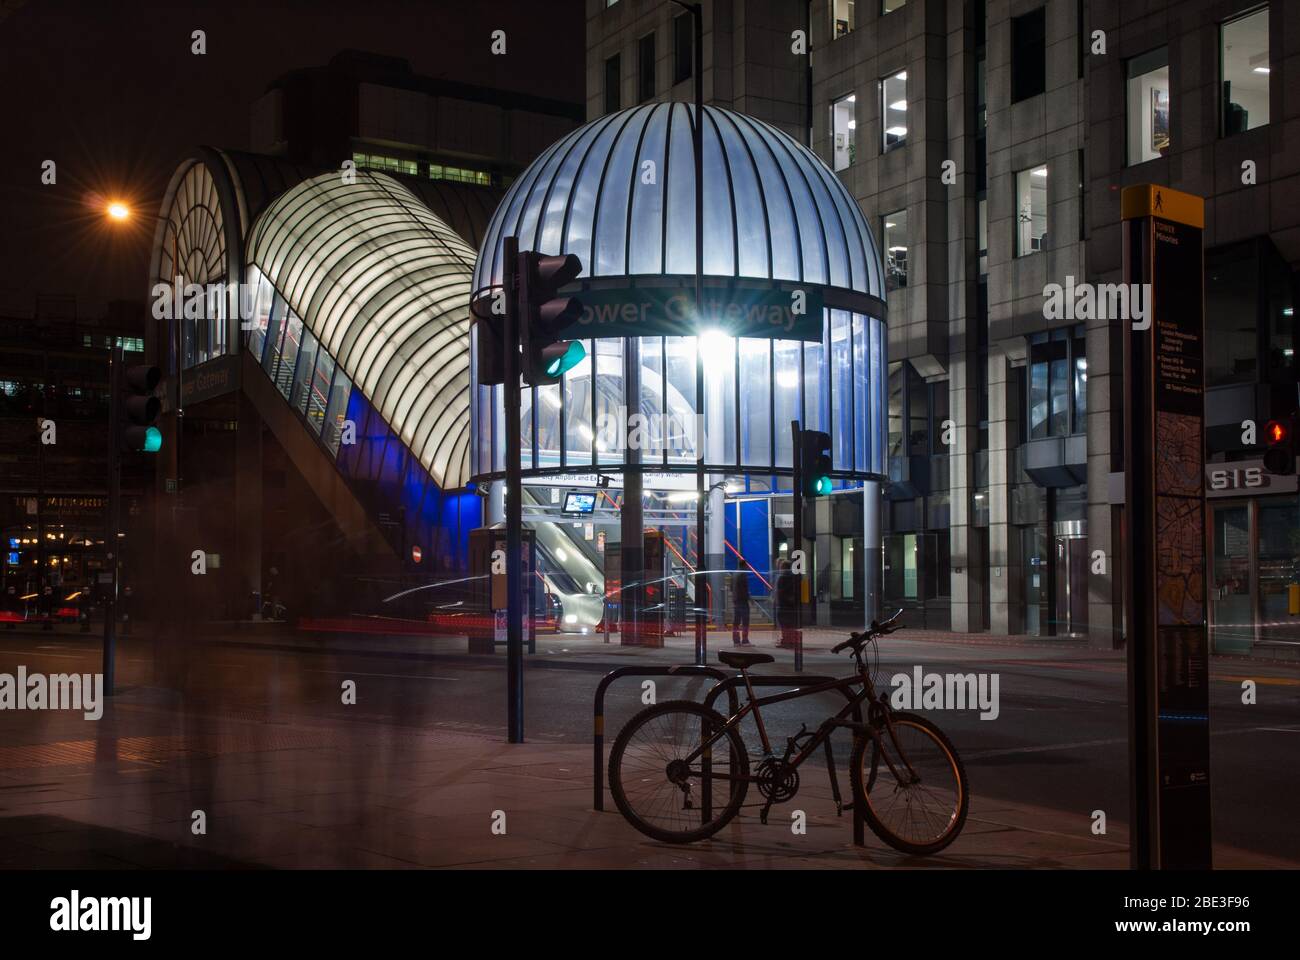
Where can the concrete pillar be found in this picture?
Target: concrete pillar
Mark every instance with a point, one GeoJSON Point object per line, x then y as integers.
{"type": "Point", "coordinates": [714, 440]}
{"type": "Point", "coordinates": [1104, 617]}
{"type": "Point", "coordinates": [1006, 575]}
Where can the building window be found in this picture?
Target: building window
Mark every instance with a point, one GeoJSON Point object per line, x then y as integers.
{"type": "Point", "coordinates": [889, 6]}
{"type": "Point", "coordinates": [843, 132]}
{"type": "Point", "coordinates": [1058, 384]}
{"type": "Point", "coordinates": [893, 111]}
{"type": "Point", "coordinates": [683, 48]}
{"type": "Point", "coordinates": [1244, 66]}
{"type": "Point", "coordinates": [1148, 106]}
{"type": "Point", "coordinates": [612, 73]}
{"type": "Point", "coordinates": [645, 63]}
{"type": "Point", "coordinates": [438, 171]}
{"type": "Point", "coordinates": [842, 19]}
{"type": "Point", "coordinates": [895, 234]}
{"type": "Point", "coordinates": [374, 161]}
{"type": "Point", "coordinates": [1031, 211]}
{"type": "Point", "coordinates": [1028, 55]}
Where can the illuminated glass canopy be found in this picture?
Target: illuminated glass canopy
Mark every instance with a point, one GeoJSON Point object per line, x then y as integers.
{"type": "Point", "coordinates": [382, 285]}
{"type": "Point", "coordinates": [620, 193]}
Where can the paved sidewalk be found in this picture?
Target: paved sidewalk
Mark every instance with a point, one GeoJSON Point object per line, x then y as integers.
{"type": "Point", "coordinates": [121, 793]}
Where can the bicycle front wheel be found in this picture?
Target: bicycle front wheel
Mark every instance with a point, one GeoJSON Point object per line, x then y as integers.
{"type": "Point", "coordinates": [662, 783]}
{"type": "Point", "coordinates": [911, 787]}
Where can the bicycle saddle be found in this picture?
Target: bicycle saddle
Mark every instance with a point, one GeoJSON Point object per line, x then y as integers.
{"type": "Point", "coordinates": [742, 660]}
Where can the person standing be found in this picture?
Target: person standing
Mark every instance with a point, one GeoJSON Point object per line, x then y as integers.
{"type": "Point", "coordinates": [786, 606]}
{"type": "Point", "coordinates": [740, 613]}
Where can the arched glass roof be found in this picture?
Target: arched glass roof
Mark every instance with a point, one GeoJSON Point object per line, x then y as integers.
{"type": "Point", "coordinates": [384, 285]}
{"type": "Point", "coordinates": [620, 193]}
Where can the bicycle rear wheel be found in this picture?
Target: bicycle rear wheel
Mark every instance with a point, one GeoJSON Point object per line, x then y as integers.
{"type": "Point", "coordinates": [662, 794]}
{"type": "Point", "coordinates": [917, 805]}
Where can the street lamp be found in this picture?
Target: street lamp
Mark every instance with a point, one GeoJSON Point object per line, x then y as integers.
{"type": "Point", "coordinates": [118, 211]}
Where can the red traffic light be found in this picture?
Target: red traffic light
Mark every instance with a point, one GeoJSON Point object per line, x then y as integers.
{"type": "Point", "coordinates": [1275, 432]}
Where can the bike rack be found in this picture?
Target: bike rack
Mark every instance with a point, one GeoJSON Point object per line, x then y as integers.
{"type": "Point", "coordinates": [598, 740]}
{"type": "Point", "coordinates": [729, 686]}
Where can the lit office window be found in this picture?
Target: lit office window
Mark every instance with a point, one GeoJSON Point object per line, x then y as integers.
{"type": "Point", "coordinates": [438, 171]}
{"type": "Point", "coordinates": [842, 19]}
{"type": "Point", "coordinates": [645, 66]}
{"type": "Point", "coordinates": [683, 47]}
{"type": "Point", "coordinates": [843, 132]}
{"type": "Point", "coordinates": [895, 233]}
{"type": "Point", "coordinates": [1243, 60]}
{"type": "Point", "coordinates": [1148, 106]}
{"type": "Point", "coordinates": [889, 6]}
{"type": "Point", "coordinates": [1031, 211]}
{"type": "Point", "coordinates": [612, 72]}
{"type": "Point", "coordinates": [893, 111]}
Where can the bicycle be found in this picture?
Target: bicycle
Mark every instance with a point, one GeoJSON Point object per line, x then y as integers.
{"type": "Point", "coordinates": [670, 760]}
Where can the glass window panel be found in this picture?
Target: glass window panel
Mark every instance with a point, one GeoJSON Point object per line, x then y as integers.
{"type": "Point", "coordinates": [261, 313]}
{"type": "Point", "coordinates": [1060, 390]}
{"type": "Point", "coordinates": [844, 127]}
{"type": "Point", "coordinates": [679, 403]}
{"type": "Point", "coordinates": [1031, 211]}
{"type": "Point", "coordinates": [1038, 419]}
{"type": "Point", "coordinates": [918, 414]}
{"type": "Point", "coordinates": [815, 386]}
{"type": "Point", "coordinates": [861, 394]}
{"type": "Point", "coordinates": [878, 365]}
{"type": "Point", "coordinates": [274, 335]}
{"type": "Point", "coordinates": [842, 18]}
{"type": "Point", "coordinates": [610, 412]}
{"type": "Point", "coordinates": [611, 228]}
{"type": "Point", "coordinates": [720, 398]}
{"type": "Point", "coordinates": [1080, 387]}
{"type": "Point", "coordinates": [889, 6]}
{"type": "Point", "coordinates": [785, 396]}
{"type": "Point", "coordinates": [612, 83]}
{"type": "Point", "coordinates": [341, 409]}
{"type": "Point", "coordinates": [895, 250]}
{"type": "Point", "coordinates": [1243, 58]}
{"type": "Point", "coordinates": [577, 410]}
{"type": "Point", "coordinates": [1148, 106]}
{"type": "Point", "coordinates": [288, 354]}
{"type": "Point", "coordinates": [645, 62]}
{"type": "Point", "coordinates": [841, 389]}
{"type": "Point", "coordinates": [1028, 55]}
{"type": "Point", "coordinates": [319, 395]}
{"type": "Point", "coordinates": [893, 111]}
{"type": "Point", "coordinates": [548, 425]}
{"type": "Point", "coordinates": [895, 434]}
{"type": "Point", "coordinates": [646, 233]}
{"type": "Point", "coordinates": [306, 367]}
{"type": "Point", "coordinates": [680, 226]}
{"type": "Point", "coordinates": [751, 223]}
{"type": "Point", "coordinates": [683, 47]}
{"type": "Point", "coordinates": [652, 396]}
{"type": "Point", "coordinates": [755, 402]}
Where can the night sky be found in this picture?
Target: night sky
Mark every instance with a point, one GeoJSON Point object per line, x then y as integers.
{"type": "Point", "coordinates": [110, 91]}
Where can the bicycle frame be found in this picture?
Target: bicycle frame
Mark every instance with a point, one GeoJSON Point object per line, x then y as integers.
{"type": "Point", "coordinates": [839, 719]}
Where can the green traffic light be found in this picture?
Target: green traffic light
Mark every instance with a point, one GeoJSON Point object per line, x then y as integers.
{"type": "Point", "coordinates": [152, 440]}
{"type": "Point", "coordinates": [573, 355]}
{"type": "Point", "coordinates": [823, 486]}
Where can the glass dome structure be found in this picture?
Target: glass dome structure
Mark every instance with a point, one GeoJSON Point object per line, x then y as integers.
{"type": "Point", "coordinates": [619, 193]}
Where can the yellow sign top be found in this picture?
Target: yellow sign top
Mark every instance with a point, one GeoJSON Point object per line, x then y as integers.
{"type": "Point", "coordinates": [1152, 200]}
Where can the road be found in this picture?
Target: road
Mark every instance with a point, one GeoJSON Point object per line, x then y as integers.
{"type": "Point", "coordinates": [1059, 739]}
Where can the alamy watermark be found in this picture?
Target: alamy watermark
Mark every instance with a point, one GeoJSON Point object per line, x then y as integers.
{"type": "Point", "coordinates": [1098, 301]}
{"type": "Point", "coordinates": [57, 691]}
{"type": "Point", "coordinates": [946, 691]}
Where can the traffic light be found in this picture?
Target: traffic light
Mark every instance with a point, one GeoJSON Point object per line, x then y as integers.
{"type": "Point", "coordinates": [543, 314]}
{"type": "Point", "coordinates": [142, 408]}
{"type": "Point", "coordinates": [1280, 446]}
{"type": "Point", "coordinates": [490, 347]}
{"type": "Point", "coordinates": [815, 462]}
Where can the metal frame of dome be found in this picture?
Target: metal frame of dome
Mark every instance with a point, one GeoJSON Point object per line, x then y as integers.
{"type": "Point", "coordinates": [619, 193]}
{"type": "Point", "coordinates": [383, 284]}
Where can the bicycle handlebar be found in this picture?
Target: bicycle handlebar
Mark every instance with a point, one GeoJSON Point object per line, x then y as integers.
{"type": "Point", "coordinates": [876, 629]}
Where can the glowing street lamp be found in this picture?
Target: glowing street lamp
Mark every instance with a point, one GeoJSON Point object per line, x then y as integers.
{"type": "Point", "coordinates": [118, 211]}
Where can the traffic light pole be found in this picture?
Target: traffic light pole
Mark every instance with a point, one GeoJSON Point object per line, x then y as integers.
{"type": "Point", "coordinates": [797, 458]}
{"type": "Point", "coordinates": [514, 500]}
{"type": "Point", "coordinates": [114, 518]}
